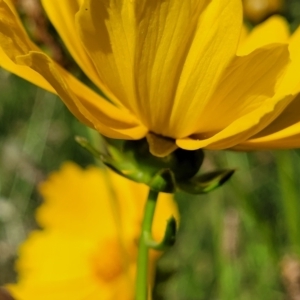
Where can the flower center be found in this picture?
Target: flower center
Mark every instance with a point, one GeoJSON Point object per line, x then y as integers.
{"type": "Point", "coordinates": [109, 262]}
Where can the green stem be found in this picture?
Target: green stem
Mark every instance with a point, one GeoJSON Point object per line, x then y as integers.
{"type": "Point", "coordinates": [289, 195]}
{"type": "Point", "coordinates": [142, 281]}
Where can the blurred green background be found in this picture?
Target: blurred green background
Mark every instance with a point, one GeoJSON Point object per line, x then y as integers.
{"type": "Point", "coordinates": [239, 242]}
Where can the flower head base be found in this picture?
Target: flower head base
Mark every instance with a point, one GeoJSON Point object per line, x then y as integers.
{"type": "Point", "coordinates": [88, 246]}
{"type": "Point", "coordinates": [170, 68]}
{"type": "Point", "coordinates": [174, 172]}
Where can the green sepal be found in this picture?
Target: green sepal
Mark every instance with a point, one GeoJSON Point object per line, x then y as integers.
{"type": "Point", "coordinates": [164, 181]}
{"type": "Point", "coordinates": [84, 143]}
{"type": "Point", "coordinates": [168, 239]}
{"type": "Point", "coordinates": [205, 183]}
{"type": "Point", "coordinates": [183, 164]}
{"type": "Point", "coordinates": [174, 172]}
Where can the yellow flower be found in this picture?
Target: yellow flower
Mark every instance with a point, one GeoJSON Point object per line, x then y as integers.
{"type": "Point", "coordinates": [88, 246]}
{"type": "Point", "coordinates": [168, 67]}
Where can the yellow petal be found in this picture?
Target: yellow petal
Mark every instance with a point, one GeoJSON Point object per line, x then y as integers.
{"type": "Point", "coordinates": [24, 72]}
{"type": "Point", "coordinates": [62, 15]}
{"type": "Point", "coordinates": [245, 101]}
{"type": "Point", "coordinates": [166, 207]}
{"type": "Point", "coordinates": [292, 140]}
{"type": "Point", "coordinates": [213, 47]}
{"type": "Point", "coordinates": [283, 132]}
{"type": "Point", "coordinates": [274, 30]}
{"type": "Point", "coordinates": [58, 290]}
{"type": "Point", "coordinates": [291, 81]}
{"type": "Point", "coordinates": [38, 245]}
{"type": "Point", "coordinates": [85, 104]}
{"type": "Point", "coordinates": [64, 204]}
{"type": "Point", "coordinates": [60, 267]}
{"type": "Point", "coordinates": [247, 83]}
{"type": "Point", "coordinates": [288, 118]}
{"type": "Point", "coordinates": [144, 47]}
{"type": "Point", "coordinates": [165, 33]}
{"type": "Point", "coordinates": [241, 129]}
{"type": "Point", "coordinates": [294, 45]}
{"type": "Point", "coordinates": [243, 35]}
{"type": "Point", "coordinates": [107, 30]}
{"type": "Point", "coordinates": [160, 146]}
{"type": "Point", "coordinates": [5, 61]}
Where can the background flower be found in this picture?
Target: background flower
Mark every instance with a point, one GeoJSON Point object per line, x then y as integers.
{"type": "Point", "coordinates": [88, 246]}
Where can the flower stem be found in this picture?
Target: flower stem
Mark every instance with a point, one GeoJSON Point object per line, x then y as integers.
{"type": "Point", "coordinates": [290, 197]}
{"type": "Point", "coordinates": [142, 282]}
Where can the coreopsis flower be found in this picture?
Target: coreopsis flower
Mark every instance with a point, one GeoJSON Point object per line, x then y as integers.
{"type": "Point", "coordinates": [170, 70]}
{"type": "Point", "coordinates": [87, 248]}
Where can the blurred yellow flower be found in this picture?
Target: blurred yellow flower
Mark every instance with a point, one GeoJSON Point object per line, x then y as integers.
{"type": "Point", "coordinates": [88, 246]}
{"type": "Point", "coordinates": [168, 67]}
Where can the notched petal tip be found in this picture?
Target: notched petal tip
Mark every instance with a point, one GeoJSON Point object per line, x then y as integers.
{"type": "Point", "coordinates": [273, 30]}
